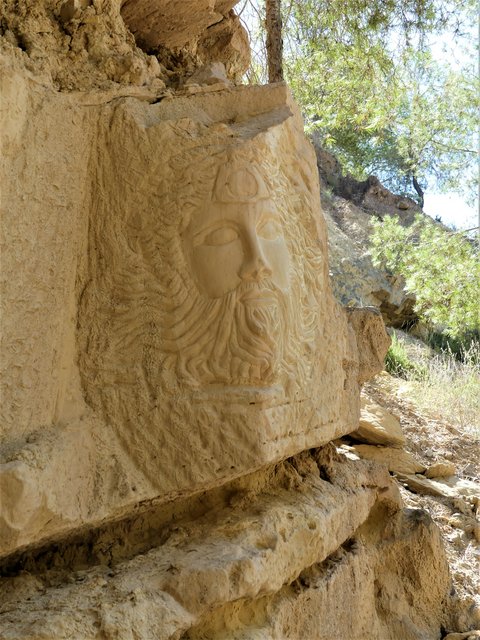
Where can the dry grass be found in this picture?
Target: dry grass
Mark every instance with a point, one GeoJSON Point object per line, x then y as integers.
{"type": "Point", "coordinates": [439, 383]}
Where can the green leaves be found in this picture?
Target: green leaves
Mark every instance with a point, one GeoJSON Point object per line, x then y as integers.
{"type": "Point", "coordinates": [367, 83]}
{"type": "Point", "coordinates": [441, 268]}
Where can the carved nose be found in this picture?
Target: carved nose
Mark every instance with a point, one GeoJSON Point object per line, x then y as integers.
{"type": "Point", "coordinates": [255, 266]}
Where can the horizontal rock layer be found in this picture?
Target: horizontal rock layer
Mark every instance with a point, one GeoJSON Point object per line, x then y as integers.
{"type": "Point", "coordinates": [276, 559]}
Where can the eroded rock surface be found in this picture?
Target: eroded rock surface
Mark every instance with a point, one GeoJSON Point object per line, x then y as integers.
{"type": "Point", "coordinates": [174, 363]}
{"type": "Point", "coordinates": [268, 557]}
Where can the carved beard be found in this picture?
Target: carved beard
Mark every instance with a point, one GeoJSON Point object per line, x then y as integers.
{"type": "Point", "coordinates": [235, 340]}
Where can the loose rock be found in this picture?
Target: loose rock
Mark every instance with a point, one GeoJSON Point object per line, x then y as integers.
{"type": "Point", "coordinates": [397, 460]}
{"type": "Point", "coordinates": [440, 469]}
{"type": "Point", "coordinates": [377, 425]}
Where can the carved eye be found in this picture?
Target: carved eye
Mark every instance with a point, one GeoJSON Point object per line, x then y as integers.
{"type": "Point", "coordinates": [223, 235]}
{"type": "Point", "coordinates": [269, 229]}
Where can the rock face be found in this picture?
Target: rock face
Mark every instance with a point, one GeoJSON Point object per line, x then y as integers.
{"type": "Point", "coordinates": [396, 460]}
{"type": "Point", "coordinates": [271, 556]}
{"type": "Point", "coordinates": [172, 24]}
{"type": "Point", "coordinates": [174, 364]}
{"type": "Point", "coordinates": [349, 207]}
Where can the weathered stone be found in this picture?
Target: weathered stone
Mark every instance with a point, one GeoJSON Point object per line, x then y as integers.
{"type": "Point", "coordinates": [377, 425]}
{"type": "Point", "coordinates": [397, 460]}
{"type": "Point", "coordinates": [462, 487]}
{"type": "Point", "coordinates": [467, 635]}
{"type": "Point", "coordinates": [169, 23]}
{"type": "Point", "coordinates": [71, 9]}
{"type": "Point", "coordinates": [77, 45]}
{"type": "Point", "coordinates": [372, 340]}
{"type": "Point", "coordinates": [226, 42]}
{"type": "Point", "coordinates": [378, 607]}
{"type": "Point", "coordinates": [449, 487]}
{"type": "Point", "coordinates": [293, 546]}
{"type": "Point", "coordinates": [213, 73]}
{"type": "Point", "coordinates": [440, 469]}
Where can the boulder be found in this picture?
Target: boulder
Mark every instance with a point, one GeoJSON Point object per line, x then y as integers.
{"type": "Point", "coordinates": [377, 425]}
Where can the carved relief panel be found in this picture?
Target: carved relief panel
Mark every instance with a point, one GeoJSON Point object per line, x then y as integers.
{"type": "Point", "coordinates": [210, 340]}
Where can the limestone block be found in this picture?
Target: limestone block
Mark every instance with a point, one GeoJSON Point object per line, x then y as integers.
{"type": "Point", "coordinates": [377, 425]}
{"type": "Point", "coordinates": [171, 23]}
{"type": "Point", "coordinates": [207, 329]}
{"type": "Point", "coordinates": [227, 42]}
{"type": "Point", "coordinates": [448, 487]}
{"type": "Point", "coordinates": [168, 321]}
{"type": "Point", "coordinates": [397, 460]}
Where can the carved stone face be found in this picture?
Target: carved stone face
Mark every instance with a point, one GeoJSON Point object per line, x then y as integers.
{"type": "Point", "coordinates": [237, 256]}
{"type": "Point", "coordinates": [231, 243]}
{"type": "Point", "coordinates": [227, 296]}
{"type": "Point", "coordinates": [207, 330]}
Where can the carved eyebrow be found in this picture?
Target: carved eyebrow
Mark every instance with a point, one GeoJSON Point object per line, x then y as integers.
{"type": "Point", "coordinates": [213, 226]}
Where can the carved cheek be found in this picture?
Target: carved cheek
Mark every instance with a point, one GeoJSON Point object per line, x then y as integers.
{"type": "Point", "coordinates": [216, 267]}
{"type": "Point", "coordinates": [278, 257]}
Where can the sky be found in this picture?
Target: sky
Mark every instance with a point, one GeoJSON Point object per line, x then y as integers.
{"type": "Point", "coordinates": [452, 209]}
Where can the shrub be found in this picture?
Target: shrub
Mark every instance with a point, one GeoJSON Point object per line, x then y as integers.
{"type": "Point", "coordinates": [441, 268]}
{"type": "Point", "coordinates": [398, 363]}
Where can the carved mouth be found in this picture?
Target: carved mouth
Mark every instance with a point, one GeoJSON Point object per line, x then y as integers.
{"type": "Point", "coordinates": [259, 298]}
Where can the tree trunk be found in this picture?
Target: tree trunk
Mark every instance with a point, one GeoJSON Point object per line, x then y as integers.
{"type": "Point", "coordinates": [273, 24]}
{"type": "Point", "coordinates": [419, 191]}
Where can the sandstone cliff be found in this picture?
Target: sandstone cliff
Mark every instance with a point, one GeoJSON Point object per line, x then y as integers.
{"type": "Point", "coordinates": [175, 367]}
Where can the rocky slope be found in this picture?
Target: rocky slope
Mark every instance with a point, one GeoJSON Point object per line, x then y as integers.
{"type": "Point", "coordinates": [349, 207]}
{"type": "Point", "coordinates": [445, 481]}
